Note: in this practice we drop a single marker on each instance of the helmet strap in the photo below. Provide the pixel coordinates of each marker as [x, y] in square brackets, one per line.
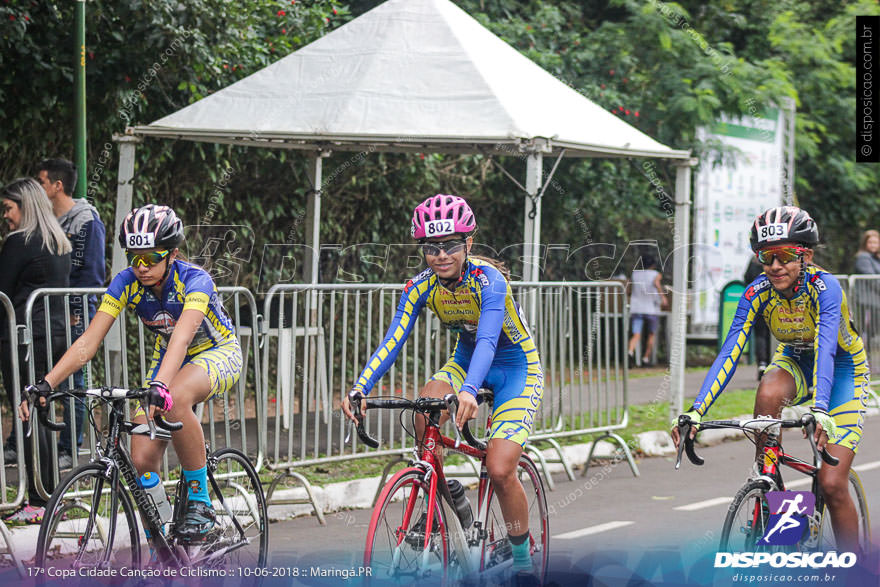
[168, 262]
[801, 275]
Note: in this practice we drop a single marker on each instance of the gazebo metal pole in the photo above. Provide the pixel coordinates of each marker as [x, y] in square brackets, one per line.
[124, 189]
[532, 230]
[313, 218]
[681, 259]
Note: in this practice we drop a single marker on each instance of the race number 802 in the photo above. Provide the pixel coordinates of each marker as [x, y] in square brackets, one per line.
[439, 227]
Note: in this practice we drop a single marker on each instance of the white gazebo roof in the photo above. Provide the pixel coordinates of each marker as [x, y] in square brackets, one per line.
[409, 75]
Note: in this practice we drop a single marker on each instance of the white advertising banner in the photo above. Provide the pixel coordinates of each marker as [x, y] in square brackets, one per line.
[727, 198]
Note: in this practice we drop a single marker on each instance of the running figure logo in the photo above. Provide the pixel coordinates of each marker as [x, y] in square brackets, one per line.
[789, 511]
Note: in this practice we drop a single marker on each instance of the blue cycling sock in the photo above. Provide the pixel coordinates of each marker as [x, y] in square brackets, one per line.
[522, 560]
[197, 484]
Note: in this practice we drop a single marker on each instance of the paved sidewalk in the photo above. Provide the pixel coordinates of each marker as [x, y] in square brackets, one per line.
[359, 493]
[646, 390]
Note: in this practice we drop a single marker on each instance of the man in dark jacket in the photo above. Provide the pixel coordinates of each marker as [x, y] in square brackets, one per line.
[80, 220]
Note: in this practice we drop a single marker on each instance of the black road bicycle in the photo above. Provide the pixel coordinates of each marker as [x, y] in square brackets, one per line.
[90, 519]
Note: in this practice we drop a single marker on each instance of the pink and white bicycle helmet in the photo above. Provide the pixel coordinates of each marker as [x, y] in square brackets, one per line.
[442, 215]
[151, 226]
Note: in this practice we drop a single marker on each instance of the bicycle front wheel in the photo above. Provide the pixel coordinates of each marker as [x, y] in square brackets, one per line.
[496, 548]
[827, 540]
[397, 550]
[240, 537]
[747, 517]
[89, 522]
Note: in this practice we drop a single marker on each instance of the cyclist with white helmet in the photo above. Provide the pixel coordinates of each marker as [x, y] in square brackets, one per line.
[820, 358]
[494, 349]
[196, 354]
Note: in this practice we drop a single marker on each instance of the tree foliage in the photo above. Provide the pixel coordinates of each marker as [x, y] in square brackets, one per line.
[665, 68]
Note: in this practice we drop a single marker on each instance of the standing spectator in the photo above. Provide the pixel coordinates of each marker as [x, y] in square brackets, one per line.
[645, 302]
[760, 329]
[868, 257]
[80, 221]
[36, 254]
[866, 292]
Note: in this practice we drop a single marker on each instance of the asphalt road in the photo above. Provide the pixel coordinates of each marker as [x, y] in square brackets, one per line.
[662, 527]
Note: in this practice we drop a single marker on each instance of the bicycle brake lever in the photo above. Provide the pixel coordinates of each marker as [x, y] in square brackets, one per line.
[27, 423]
[152, 426]
[451, 400]
[680, 445]
[348, 430]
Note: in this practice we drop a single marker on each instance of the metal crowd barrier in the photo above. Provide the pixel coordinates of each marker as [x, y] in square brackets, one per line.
[10, 422]
[582, 331]
[863, 295]
[236, 419]
[12, 388]
[319, 337]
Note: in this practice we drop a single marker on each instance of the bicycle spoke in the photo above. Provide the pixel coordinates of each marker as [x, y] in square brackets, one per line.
[80, 518]
[239, 537]
[400, 549]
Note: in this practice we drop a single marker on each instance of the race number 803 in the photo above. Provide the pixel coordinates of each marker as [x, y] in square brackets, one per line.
[140, 240]
[773, 232]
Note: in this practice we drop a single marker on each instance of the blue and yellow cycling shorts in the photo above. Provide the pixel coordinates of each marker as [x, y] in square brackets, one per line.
[849, 392]
[517, 382]
[222, 364]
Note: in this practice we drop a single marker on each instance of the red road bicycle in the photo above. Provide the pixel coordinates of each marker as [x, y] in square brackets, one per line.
[749, 513]
[400, 550]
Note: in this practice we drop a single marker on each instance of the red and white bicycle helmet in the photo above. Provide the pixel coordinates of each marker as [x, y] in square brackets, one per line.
[151, 226]
[442, 215]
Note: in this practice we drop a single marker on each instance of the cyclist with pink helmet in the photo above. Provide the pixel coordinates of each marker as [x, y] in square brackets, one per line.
[494, 349]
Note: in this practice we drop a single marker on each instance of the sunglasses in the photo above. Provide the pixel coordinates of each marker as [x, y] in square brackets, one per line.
[450, 247]
[146, 259]
[784, 254]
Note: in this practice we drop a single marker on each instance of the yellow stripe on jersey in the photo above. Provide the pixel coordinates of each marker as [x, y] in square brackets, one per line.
[110, 305]
[197, 301]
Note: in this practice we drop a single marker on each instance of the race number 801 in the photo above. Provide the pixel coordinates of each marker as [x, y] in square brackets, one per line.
[140, 240]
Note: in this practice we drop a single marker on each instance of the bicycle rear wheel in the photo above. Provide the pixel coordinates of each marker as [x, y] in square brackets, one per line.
[747, 517]
[89, 522]
[240, 536]
[496, 548]
[827, 540]
[395, 549]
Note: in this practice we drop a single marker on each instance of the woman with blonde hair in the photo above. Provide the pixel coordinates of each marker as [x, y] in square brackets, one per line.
[35, 254]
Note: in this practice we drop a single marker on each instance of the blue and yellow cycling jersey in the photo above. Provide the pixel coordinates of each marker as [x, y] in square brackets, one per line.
[187, 287]
[814, 325]
[481, 310]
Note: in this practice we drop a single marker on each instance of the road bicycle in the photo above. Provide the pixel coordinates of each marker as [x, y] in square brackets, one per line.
[749, 513]
[401, 550]
[90, 520]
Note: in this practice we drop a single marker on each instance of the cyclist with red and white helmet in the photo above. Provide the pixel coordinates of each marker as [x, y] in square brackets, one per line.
[820, 360]
[494, 349]
[196, 354]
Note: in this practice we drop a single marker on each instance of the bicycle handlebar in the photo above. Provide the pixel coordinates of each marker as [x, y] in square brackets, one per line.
[686, 443]
[422, 404]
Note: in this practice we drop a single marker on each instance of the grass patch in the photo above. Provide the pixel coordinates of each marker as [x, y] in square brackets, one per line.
[655, 416]
[643, 418]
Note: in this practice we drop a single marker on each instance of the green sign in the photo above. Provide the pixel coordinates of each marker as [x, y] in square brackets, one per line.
[730, 295]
